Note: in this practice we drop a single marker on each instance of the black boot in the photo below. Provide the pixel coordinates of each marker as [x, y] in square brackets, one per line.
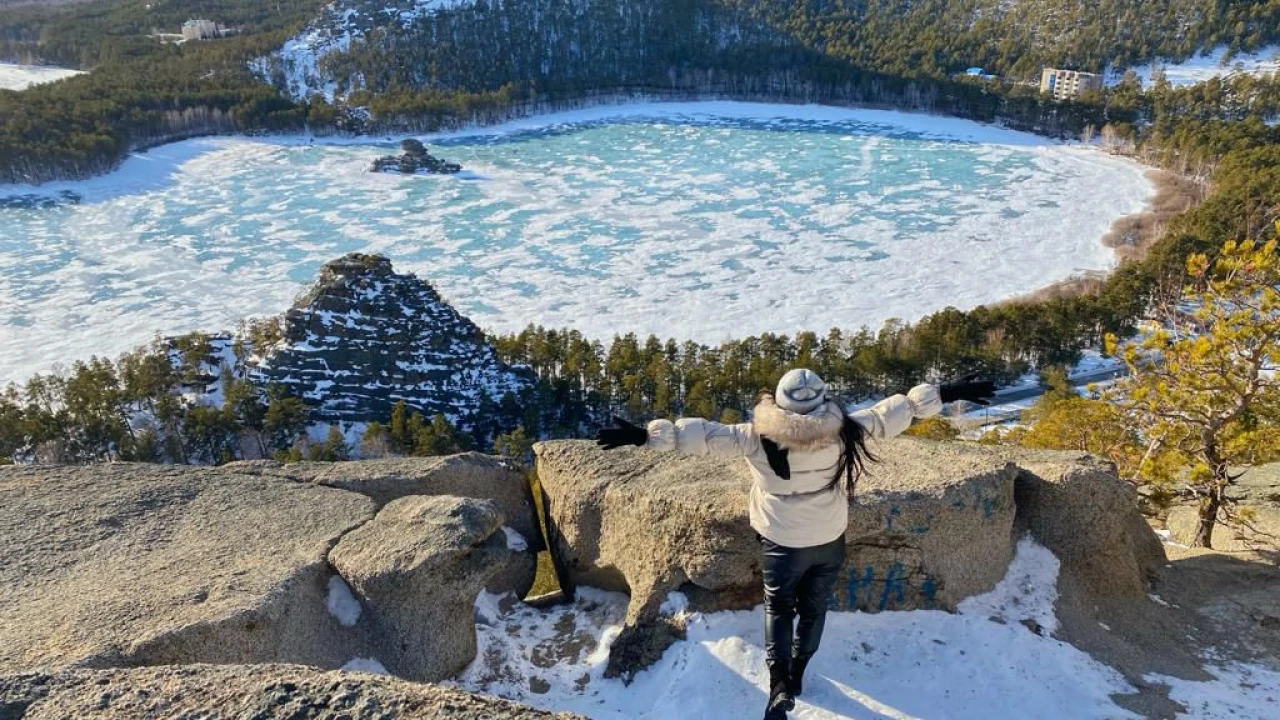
[794, 680]
[780, 700]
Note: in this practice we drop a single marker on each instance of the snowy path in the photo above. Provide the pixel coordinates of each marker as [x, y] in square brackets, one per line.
[982, 662]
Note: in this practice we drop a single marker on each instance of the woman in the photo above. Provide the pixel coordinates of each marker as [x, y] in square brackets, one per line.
[805, 456]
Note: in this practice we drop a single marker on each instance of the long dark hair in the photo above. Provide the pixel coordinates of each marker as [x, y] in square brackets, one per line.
[854, 455]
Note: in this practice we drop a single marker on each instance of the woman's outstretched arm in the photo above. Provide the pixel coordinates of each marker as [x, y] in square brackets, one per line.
[893, 415]
[697, 436]
[691, 436]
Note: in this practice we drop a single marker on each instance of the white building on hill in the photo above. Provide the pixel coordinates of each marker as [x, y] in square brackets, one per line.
[200, 30]
[1066, 84]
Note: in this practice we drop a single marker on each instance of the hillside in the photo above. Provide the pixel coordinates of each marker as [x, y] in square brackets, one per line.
[364, 338]
[356, 44]
[428, 64]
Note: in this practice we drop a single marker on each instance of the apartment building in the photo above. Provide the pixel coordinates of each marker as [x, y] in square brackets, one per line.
[1066, 84]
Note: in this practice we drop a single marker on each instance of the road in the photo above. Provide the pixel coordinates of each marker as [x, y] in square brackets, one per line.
[1080, 380]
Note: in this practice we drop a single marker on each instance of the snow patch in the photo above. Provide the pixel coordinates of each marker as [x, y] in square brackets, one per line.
[677, 603]
[1027, 592]
[365, 665]
[298, 62]
[921, 664]
[515, 541]
[1239, 692]
[342, 604]
[21, 77]
[1206, 66]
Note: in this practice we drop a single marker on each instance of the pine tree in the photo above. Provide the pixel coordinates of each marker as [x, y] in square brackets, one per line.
[515, 445]
[376, 441]
[934, 428]
[400, 435]
[335, 447]
[1205, 392]
[285, 419]
[438, 438]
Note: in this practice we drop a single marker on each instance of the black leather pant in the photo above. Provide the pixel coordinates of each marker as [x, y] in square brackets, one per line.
[797, 581]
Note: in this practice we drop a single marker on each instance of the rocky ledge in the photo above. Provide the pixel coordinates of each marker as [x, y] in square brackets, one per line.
[127, 565]
[235, 692]
[414, 159]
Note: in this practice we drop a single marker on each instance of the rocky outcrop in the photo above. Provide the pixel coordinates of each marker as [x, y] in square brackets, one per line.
[242, 692]
[124, 565]
[414, 159]
[419, 567]
[365, 337]
[117, 565]
[466, 475]
[1075, 506]
[933, 524]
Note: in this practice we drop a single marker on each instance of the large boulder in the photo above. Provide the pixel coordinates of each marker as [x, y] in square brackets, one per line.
[466, 475]
[126, 565]
[1077, 507]
[418, 566]
[932, 525]
[242, 692]
[117, 565]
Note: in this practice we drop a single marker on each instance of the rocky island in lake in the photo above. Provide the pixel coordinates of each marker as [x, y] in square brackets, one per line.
[415, 159]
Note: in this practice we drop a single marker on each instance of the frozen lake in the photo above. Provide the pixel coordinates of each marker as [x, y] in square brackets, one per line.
[706, 221]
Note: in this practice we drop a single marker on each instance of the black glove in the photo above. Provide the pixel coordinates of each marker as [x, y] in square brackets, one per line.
[968, 388]
[624, 434]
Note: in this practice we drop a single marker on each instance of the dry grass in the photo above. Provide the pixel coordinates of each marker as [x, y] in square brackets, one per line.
[1130, 236]
[545, 582]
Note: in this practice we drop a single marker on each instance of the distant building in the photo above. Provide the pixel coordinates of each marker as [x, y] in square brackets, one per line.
[1066, 84]
[977, 73]
[200, 30]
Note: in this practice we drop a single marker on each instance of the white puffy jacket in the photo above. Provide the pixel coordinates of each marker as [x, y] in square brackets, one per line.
[795, 512]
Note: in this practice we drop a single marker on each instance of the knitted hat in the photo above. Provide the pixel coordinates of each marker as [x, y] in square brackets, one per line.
[801, 391]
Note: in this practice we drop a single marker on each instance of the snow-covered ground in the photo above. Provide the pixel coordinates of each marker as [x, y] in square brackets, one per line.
[774, 218]
[982, 662]
[21, 77]
[1206, 66]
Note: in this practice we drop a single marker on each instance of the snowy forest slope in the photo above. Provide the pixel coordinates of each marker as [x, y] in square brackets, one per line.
[431, 63]
[575, 44]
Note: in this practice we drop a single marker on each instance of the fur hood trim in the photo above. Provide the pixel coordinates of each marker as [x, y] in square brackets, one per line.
[793, 431]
